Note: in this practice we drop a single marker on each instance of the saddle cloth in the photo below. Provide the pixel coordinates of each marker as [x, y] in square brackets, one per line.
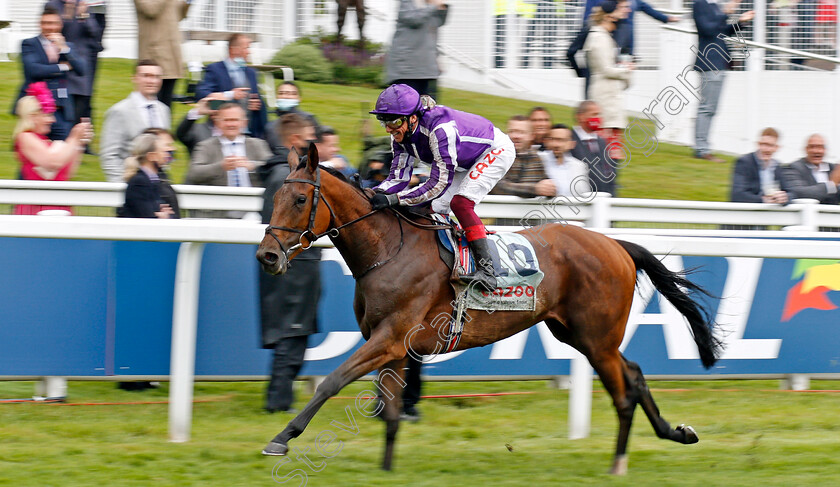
[517, 269]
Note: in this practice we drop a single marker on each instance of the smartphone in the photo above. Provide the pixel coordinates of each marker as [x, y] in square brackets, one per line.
[215, 104]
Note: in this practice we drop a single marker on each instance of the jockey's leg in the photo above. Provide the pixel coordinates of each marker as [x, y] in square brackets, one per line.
[481, 178]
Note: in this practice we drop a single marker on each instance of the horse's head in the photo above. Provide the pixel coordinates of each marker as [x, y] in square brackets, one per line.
[300, 215]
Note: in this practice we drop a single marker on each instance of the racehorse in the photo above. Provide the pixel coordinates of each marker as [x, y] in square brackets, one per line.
[359, 5]
[401, 283]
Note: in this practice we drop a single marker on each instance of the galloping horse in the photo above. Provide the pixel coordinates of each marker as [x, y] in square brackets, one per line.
[401, 282]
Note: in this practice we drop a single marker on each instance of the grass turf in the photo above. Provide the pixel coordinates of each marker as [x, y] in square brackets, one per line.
[669, 173]
[750, 434]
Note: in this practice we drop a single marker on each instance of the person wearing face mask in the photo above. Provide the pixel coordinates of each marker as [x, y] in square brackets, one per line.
[233, 80]
[591, 149]
[288, 101]
[609, 77]
[467, 155]
[148, 193]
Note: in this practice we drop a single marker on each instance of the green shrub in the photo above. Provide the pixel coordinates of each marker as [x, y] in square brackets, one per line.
[306, 60]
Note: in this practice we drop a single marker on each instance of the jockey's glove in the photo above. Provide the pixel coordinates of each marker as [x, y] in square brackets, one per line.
[381, 200]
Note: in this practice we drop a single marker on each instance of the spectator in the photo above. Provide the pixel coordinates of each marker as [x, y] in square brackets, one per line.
[811, 177]
[42, 159]
[713, 59]
[229, 159]
[540, 125]
[230, 79]
[288, 100]
[49, 58]
[571, 58]
[129, 117]
[609, 79]
[412, 58]
[561, 166]
[328, 151]
[191, 133]
[756, 177]
[159, 38]
[144, 173]
[591, 149]
[288, 302]
[526, 177]
[623, 33]
[83, 30]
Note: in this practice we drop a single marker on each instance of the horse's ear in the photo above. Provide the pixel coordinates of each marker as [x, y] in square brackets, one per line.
[293, 159]
[312, 157]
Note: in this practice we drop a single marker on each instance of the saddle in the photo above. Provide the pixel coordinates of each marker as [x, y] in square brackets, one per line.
[517, 271]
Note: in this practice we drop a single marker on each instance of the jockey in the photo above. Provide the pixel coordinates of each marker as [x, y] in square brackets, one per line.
[467, 155]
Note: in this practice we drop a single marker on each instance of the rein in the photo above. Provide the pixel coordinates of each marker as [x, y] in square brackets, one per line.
[311, 236]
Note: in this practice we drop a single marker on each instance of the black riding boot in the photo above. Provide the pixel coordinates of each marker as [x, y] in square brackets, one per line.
[485, 274]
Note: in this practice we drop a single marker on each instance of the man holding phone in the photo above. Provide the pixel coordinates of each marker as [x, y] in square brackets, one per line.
[49, 58]
[232, 80]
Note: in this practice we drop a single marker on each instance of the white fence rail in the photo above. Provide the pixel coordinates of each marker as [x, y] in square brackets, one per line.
[195, 233]
[601, 211]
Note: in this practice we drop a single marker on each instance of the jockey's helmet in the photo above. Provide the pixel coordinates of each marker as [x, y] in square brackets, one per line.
[397, 100]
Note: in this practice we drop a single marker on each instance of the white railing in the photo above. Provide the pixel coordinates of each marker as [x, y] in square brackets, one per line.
[195, 233]
[601, 211]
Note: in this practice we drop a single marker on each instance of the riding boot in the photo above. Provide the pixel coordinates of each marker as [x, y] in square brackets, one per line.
[485, 274]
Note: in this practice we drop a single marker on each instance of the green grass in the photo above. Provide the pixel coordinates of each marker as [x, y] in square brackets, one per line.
[669, 173]
[750, 434]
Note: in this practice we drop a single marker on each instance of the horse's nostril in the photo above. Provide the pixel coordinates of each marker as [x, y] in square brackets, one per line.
[269, 258]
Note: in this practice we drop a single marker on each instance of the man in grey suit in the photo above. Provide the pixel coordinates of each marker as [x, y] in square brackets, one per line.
[129, 117]
[811, 177]
[229, 159]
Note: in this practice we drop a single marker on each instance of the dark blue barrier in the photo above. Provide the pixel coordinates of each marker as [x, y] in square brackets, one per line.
[93, 308]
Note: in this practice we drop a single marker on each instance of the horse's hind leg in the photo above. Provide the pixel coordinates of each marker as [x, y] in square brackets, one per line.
[609, 364]
[342, 12]
[391, 385]
[635, 380]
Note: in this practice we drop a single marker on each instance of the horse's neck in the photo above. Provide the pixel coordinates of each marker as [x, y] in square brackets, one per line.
[368, 241]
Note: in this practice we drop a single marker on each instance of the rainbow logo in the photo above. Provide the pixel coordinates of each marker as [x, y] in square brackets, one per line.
[819, 276]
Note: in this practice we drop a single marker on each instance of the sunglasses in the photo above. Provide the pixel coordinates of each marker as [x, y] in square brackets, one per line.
[391, 123]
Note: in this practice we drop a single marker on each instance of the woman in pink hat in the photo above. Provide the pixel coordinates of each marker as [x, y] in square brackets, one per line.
[42, 159]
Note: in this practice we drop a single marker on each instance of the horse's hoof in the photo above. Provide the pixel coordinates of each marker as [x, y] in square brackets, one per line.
[619, 465]
[690, 436]
[275, 449]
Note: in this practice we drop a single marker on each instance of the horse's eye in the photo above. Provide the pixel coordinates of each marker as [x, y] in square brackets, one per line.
[301, 199]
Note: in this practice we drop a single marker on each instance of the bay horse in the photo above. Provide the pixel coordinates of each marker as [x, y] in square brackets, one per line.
[401, 282]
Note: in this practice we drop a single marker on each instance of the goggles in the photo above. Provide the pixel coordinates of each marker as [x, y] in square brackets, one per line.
[388, 121]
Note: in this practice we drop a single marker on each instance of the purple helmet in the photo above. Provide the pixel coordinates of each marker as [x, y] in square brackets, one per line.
[400, 100]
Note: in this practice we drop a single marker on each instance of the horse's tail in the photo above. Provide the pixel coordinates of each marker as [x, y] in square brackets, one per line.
[678, 289]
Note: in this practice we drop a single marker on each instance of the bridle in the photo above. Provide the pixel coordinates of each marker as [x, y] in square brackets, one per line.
[311, 236]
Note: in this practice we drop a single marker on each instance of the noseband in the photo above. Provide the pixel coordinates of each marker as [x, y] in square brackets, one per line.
[309, 233]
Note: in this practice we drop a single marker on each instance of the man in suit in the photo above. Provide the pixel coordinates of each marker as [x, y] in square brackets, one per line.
[526, 178]
[48, 57]
[84, 31]
[129, 117]
[288, 302]
[811, 177]
[232, 80]
[159, 38]
[288, 101]
[591, 149]
[756, 175]
[191, 132]
[229, 159]
[713, 60]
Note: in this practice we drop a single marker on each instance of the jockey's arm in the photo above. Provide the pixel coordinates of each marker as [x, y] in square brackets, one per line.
[443, 141]
[400, 173]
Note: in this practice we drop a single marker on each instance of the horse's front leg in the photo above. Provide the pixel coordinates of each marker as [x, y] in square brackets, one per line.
[379, 350]
[392, 382]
